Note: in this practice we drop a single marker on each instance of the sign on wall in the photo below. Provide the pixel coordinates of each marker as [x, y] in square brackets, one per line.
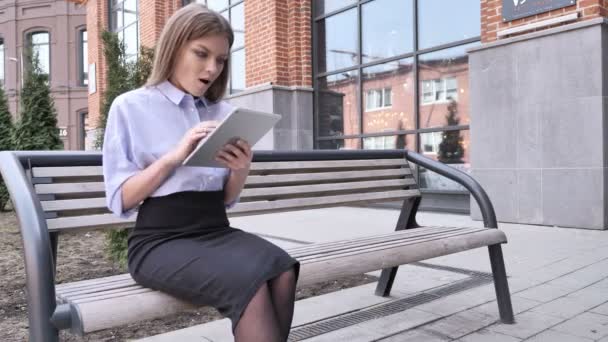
[515, 9]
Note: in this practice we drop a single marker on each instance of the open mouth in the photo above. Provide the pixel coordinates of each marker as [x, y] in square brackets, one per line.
[204, 80]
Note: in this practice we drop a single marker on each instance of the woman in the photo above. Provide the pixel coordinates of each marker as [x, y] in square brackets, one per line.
[182, 243]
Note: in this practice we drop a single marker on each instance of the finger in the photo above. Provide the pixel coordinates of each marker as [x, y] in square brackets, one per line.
[225, 155]
[234, 150]
[244, 145]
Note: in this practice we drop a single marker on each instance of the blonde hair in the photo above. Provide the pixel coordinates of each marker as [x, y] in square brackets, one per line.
[191, 22]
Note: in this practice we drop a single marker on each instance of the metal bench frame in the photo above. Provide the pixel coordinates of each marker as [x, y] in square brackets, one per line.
[46, 318]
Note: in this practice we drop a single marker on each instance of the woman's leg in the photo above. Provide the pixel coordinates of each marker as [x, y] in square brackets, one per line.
[258, 323]
[283, 292]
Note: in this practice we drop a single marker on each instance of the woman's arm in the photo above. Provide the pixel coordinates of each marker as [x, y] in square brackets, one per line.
[141, 185]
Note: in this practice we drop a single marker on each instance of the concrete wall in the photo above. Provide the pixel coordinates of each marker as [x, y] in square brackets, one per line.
[538, 126]
[295, 129]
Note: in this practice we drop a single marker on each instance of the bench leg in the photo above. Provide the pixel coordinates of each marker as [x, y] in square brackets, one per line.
[386, 281]
[41, 329]
[503, 296]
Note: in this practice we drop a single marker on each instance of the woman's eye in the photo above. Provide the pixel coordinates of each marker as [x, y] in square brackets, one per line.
[221, 61]
[201, 54]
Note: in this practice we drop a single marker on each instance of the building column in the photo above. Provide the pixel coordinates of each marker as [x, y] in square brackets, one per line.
[538, 117]
[279, 69]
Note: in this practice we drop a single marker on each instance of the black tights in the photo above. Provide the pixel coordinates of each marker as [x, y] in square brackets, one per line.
[267, 317]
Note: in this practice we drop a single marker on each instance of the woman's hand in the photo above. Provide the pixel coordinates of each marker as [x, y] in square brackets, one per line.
[236, 156]
[189, 141]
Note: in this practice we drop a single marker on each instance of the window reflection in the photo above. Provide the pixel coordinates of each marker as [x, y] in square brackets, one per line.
[340, 144]
[337, 47]
[449, 147]
[1, 62]
[444, 87]
[338, 113]
[386, 29]
[388, 97]
[39, 41]
[124, 21]
[328, 6]
[441, 22]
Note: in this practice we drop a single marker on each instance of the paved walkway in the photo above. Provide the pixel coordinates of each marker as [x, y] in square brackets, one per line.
[558, 279]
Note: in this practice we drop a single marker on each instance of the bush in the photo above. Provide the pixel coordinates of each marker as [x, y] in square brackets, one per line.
[6, 143]
[122, 76]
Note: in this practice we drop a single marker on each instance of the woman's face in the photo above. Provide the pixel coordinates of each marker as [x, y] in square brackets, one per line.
[199, 63]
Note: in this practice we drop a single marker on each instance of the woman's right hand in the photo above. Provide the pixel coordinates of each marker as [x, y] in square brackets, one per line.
[189, 141]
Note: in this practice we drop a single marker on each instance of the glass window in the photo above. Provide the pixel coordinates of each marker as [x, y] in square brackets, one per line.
[340, 144]
[124, 21]
[402, 141]
[1, 62]
[337, 46]
[237, 20]
[365, 91]
[216, 5]
[444, 87]
[388, 97]
[442, 22]
[328, 6]
[386, 29]
[450, 147]
[39, 42]
[84, 58]
[338, 96]
[237, 72]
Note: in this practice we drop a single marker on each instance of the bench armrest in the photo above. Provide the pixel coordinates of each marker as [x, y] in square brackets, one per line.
[485, 205]
[40, 279]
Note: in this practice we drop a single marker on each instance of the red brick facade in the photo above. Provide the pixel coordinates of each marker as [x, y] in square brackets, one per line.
[278, 42]
[491, 16]
[97, 21]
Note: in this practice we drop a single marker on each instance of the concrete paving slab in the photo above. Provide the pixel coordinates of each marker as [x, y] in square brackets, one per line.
[588, 325]
[556, 336]
[415, 336]
[527, 324]
[460, 324]
[485, 335]
[601, 309]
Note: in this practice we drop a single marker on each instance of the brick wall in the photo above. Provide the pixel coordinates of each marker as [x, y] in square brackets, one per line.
[278, 42]
[491, 16]
[97, 21]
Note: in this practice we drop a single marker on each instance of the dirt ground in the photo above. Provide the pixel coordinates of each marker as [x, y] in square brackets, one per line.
[81, 256]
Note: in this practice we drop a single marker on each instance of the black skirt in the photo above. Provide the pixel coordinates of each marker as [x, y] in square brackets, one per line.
[183, 245]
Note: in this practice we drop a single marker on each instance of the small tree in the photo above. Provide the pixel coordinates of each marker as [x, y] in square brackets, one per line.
[37, 127]
[122, 77]
[6, 144]
[450, 148]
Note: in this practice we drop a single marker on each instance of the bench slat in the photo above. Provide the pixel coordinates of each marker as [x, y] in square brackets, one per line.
[320, 202]
[70, 188]
[246, 194]
[89, 222]
[88, 171]
[325, 176]
[99, 312]
[97, 221]
[98, 187]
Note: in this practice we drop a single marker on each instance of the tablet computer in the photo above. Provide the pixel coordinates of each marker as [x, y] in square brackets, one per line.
[240, 123]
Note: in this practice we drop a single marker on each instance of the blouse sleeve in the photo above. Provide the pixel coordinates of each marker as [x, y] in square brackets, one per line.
[118, 164]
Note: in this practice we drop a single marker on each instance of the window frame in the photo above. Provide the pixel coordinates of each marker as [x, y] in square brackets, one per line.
[28, 44]
[83, 74]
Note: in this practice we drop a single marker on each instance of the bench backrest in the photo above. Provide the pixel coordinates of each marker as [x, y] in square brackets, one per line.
[73, 197]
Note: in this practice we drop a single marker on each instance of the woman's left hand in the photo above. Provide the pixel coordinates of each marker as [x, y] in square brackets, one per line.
[236, 156]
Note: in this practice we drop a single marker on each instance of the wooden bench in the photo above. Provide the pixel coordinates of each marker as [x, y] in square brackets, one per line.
[61, 192]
